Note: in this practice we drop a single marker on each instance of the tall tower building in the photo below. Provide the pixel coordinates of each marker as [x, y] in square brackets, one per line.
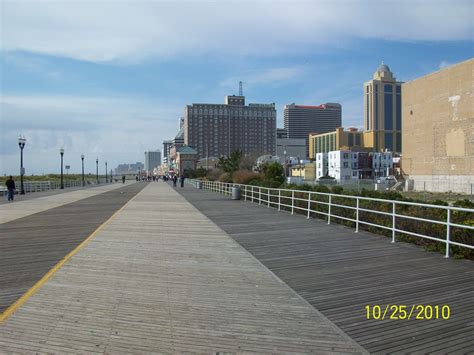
[215, 130]
[383, 109]
[166, 149]
[152, 160]
[302, 120]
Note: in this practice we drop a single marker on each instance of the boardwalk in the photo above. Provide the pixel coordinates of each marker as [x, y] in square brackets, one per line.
[161, 277]
[32, 245]
[340, 272]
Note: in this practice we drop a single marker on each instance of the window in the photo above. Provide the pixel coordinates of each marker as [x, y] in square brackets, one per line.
[388, 88]
[388, 142]
[388, 112]
[376, 109]
[351, 139]
[346, 164]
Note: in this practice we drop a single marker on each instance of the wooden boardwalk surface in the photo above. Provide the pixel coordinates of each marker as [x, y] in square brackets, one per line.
[32, 245]
[340, 272]
[161, 277]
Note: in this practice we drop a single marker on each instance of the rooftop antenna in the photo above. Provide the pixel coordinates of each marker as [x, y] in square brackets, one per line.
[241, 92]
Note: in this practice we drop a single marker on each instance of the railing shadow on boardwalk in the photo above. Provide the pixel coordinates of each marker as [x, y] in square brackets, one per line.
[340, 273]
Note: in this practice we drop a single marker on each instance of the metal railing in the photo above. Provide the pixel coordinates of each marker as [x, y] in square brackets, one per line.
[38, 186]
[308, 201]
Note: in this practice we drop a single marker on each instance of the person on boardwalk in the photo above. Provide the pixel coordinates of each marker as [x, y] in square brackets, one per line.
[10, 184]
[181, 180]
[123, 179]
[175, 179]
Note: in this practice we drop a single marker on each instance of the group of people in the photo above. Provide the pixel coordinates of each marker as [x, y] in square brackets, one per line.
[173, 178]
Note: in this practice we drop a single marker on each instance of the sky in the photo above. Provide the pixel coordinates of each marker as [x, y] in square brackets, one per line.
[110, 79]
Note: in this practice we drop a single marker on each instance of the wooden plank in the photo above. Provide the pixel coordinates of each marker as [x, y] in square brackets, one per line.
[32, 245]
[161, 277]
[339, 272]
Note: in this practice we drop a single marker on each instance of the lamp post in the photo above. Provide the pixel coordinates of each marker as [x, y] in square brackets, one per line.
[61, 151]
[106, 178]
[83, 182]
[21, 144]
[97, 170]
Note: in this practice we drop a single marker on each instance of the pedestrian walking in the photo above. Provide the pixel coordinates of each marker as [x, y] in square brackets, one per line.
[10, 184]
[175, 179]
[181, 180]
[123, 179]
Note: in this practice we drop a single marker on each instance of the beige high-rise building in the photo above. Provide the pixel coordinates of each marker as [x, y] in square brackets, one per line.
[438, 130]
[383, 110]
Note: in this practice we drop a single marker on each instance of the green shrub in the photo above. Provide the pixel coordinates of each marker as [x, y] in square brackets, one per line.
[321, 188]
[337, 189]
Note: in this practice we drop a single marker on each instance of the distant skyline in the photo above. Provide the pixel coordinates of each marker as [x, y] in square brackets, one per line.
[110, 80]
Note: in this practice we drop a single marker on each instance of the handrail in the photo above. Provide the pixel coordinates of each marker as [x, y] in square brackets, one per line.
[272, 197]
[38, 186]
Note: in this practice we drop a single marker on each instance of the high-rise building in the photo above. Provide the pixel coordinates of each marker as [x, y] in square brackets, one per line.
[152, 160]
[128, 168]
[301, 120]
[215, 130]
[438, 134]
[383, 109]
[166, 149]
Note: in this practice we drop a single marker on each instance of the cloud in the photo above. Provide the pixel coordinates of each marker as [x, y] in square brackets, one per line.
[444, 64]
[102, 31]
[113, 128]
[265, 76]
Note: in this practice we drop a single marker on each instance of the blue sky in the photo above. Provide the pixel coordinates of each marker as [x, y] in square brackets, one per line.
[111, 79]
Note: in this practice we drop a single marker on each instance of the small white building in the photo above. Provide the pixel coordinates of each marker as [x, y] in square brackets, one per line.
[321, 165]
[346, 166]
[342, 165]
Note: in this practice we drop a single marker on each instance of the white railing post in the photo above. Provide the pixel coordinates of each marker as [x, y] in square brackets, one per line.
[357, 215]
[448, 232]
[309, 204]
[393, 222]
[259, 195]
[329, 210]
[292, 201]
[252, 194]
[279, 199]
[268, 196]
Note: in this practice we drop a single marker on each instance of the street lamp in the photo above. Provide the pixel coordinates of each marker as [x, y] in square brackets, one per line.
[82, 158]
[21, 144]
[97, 169]
[61, 151]
[106, 179]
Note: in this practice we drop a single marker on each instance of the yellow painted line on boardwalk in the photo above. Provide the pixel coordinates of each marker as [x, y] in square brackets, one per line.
[10, 310]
